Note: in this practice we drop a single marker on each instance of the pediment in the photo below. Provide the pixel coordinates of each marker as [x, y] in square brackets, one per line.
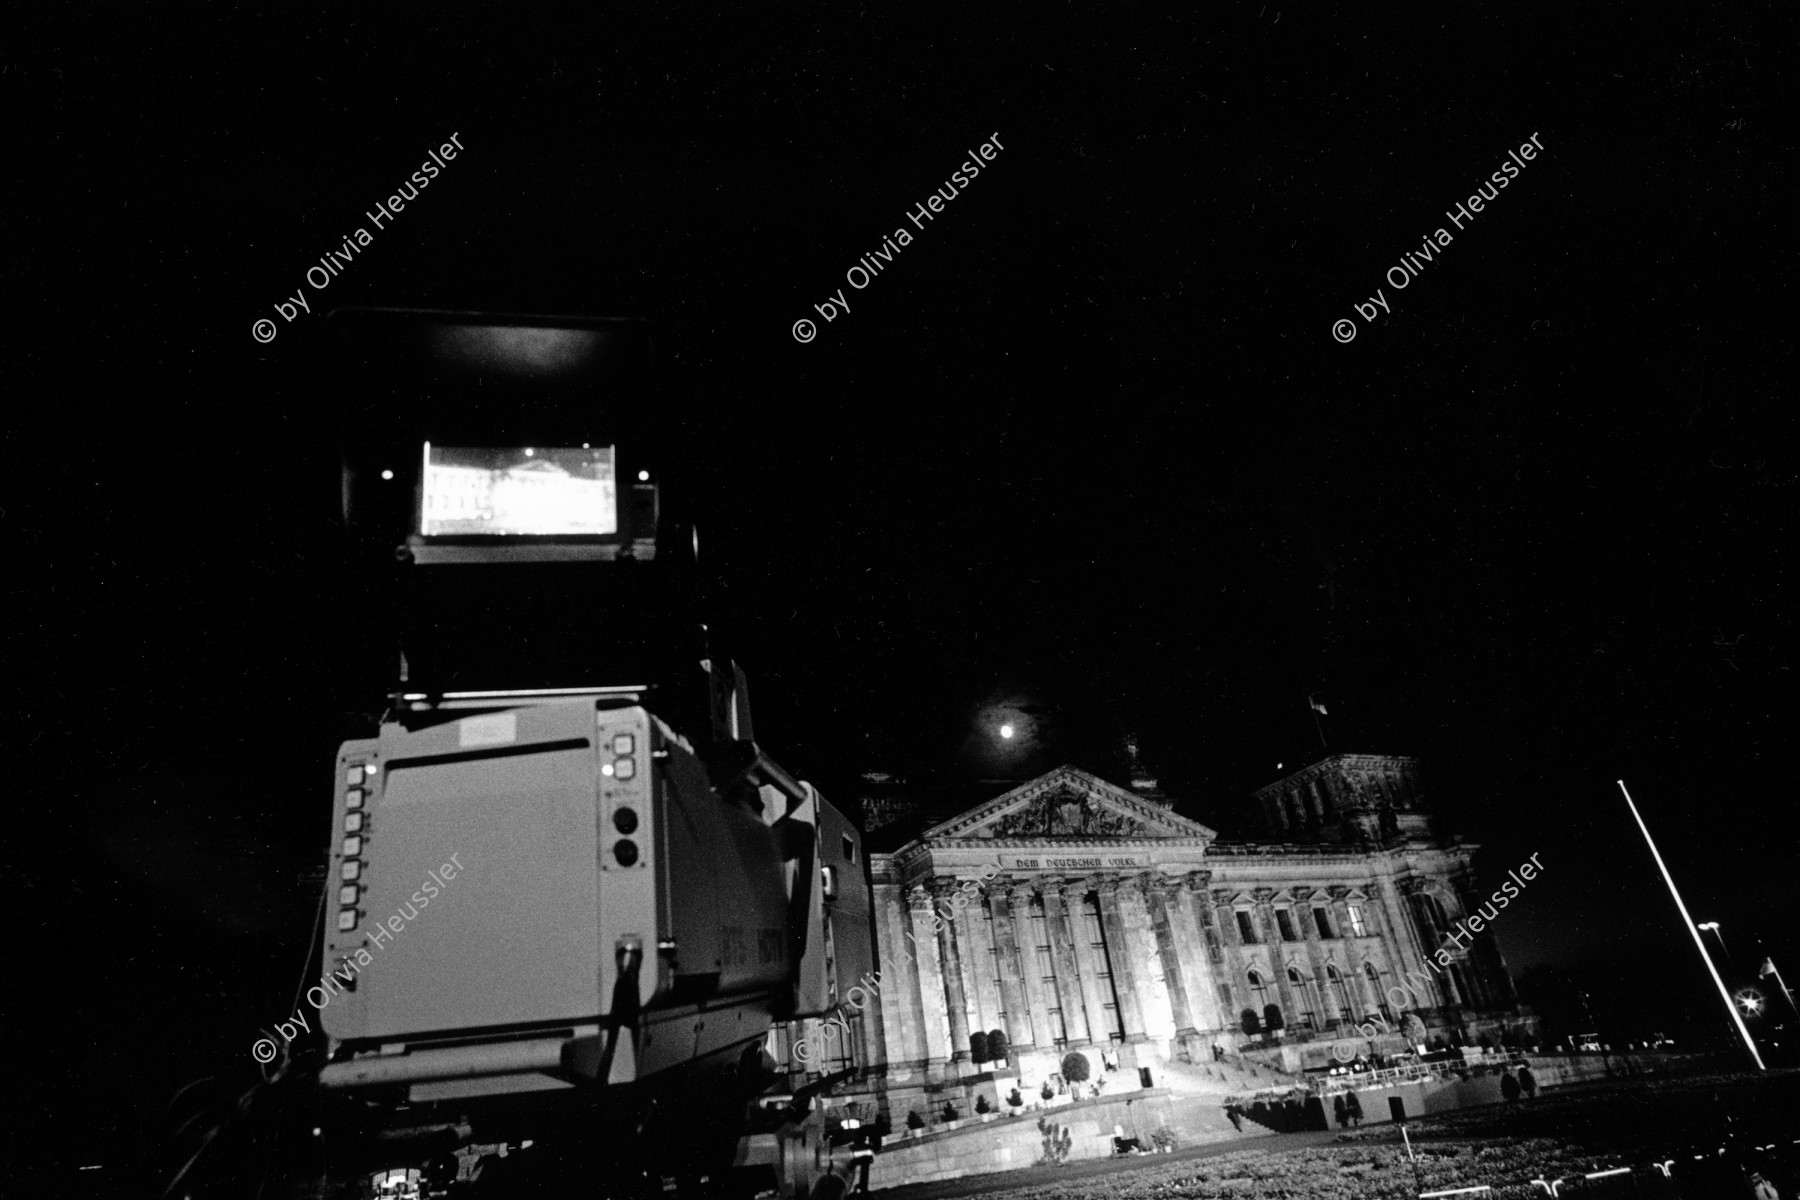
[1069, 803]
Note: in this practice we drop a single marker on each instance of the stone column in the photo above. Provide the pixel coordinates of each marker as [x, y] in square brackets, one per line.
[1157, 893]
[1030, 972]
[1492, 979]
[1088, 970]
[1125, 973]
[973, 947]
[956, 1001]
[1190, 944]
[1401, 940]
[931, 979]
[1006, 944]
[902, 1018]
[868, 1014]
[1062, 953]
[1418, 896]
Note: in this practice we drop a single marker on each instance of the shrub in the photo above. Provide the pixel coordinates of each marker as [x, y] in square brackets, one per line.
[982, 1106]
[950, 1113]
[1075, 1067]
[978, 1046]
[1251, 1025]
[914, 1120]
[997, 1047]
[1049, 1093]
[1013, 1098]
[1272, 1018]
[1057, 1142]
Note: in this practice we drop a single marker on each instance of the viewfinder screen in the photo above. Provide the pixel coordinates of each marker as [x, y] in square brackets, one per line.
[518, 491]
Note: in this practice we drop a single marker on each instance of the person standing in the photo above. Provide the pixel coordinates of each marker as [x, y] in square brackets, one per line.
[1353, 1106]
[1339, 1111]
[1528, 1082]
[862, 1152]
[1509, 1088]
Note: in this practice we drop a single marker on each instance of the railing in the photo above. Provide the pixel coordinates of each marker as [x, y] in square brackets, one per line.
[1413, 1073]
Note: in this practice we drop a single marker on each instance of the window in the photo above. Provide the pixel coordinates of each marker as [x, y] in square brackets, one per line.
[1259, 990]
[1284, 921]
[1340, 993]
[1376, 996]
[1303, 996]
[849, 848]
[1322, 919]
[1354, 912]
[1246, 930]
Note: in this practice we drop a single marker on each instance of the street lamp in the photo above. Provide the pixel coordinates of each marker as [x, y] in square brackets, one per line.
[1693, 932]
[1714, 926]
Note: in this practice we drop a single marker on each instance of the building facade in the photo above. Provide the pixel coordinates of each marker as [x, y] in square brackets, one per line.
[1073, 914]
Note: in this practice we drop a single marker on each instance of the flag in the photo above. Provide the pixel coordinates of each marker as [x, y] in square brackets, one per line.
[1768, 968]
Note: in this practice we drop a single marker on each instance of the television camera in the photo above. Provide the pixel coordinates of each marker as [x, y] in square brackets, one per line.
[629, 891]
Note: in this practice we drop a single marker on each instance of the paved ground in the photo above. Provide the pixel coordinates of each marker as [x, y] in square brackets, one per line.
[1086, 1168]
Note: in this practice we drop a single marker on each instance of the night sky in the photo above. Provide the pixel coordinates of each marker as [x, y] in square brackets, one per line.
[1086, 446]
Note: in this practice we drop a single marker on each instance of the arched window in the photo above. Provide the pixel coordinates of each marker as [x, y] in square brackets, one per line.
[1340, 994]
[1302, 988]
[1259, 991]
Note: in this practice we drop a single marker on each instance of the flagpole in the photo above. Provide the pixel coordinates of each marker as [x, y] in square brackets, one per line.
[1781, 983]
[1688, 923]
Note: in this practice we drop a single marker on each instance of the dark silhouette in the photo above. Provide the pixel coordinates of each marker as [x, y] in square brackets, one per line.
[1509, 1087]
[829, 1186]
[1354, 1107]
[863, 1142]
[1528, 1083]
[1339, 1111]
[978, 1046]
[1237, 1120]
[997, 1047]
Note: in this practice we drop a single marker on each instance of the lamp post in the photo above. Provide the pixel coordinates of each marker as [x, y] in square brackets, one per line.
[1714, 926]
[1693, 932]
